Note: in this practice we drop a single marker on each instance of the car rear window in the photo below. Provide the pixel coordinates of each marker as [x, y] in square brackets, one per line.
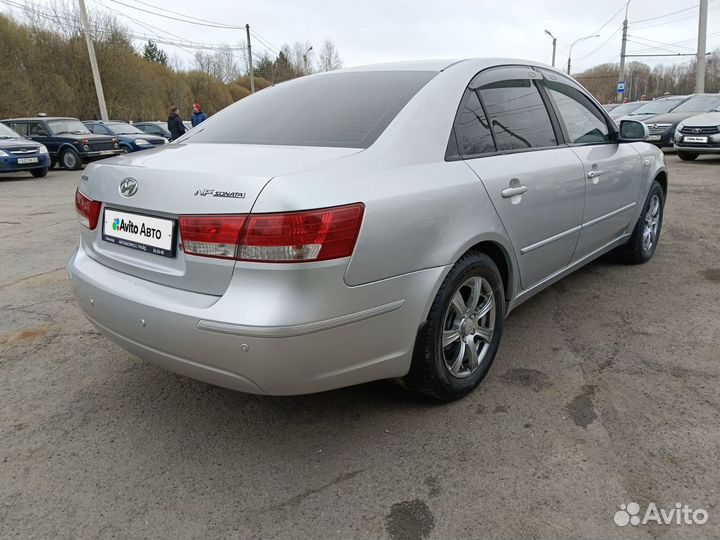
[346, 109]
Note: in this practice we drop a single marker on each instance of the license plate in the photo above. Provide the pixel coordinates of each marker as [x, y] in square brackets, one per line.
[26, 160]
[106, 152]
[695, 139]
[137, 231]
[654, 137]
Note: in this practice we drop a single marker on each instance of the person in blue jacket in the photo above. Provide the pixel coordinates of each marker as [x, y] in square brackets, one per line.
[197, 115]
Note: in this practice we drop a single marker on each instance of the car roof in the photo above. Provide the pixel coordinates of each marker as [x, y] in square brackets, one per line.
[40, 118]
[445, 63]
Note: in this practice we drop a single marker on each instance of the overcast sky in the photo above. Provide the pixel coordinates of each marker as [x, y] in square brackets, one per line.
[371, 31]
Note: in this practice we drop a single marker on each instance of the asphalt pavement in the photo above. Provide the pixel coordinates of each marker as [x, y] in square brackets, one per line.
[605, 392]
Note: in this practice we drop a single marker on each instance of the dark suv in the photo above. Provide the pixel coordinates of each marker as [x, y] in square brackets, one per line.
[69, 142]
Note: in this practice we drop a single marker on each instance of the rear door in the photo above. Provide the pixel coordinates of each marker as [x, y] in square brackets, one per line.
[506, 135]
[613, 171]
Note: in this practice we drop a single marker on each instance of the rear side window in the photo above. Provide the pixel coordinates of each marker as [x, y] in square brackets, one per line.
[518, 115]
[584, 123]
[472, 129]
[18, 127]
[346, 109]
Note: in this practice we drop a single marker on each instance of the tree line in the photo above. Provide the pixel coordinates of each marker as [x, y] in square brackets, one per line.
[44, 68]
[643, 81]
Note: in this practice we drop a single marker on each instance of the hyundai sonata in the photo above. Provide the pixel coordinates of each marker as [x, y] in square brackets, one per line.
[371, 223]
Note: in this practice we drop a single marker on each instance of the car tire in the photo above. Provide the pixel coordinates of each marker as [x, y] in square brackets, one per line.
[643, 242]
[458, 343]
[39, 173]
[124, 150]
[687, 156]
[70, 160]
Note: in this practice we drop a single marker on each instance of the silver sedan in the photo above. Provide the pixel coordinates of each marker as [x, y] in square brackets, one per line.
[370, 223]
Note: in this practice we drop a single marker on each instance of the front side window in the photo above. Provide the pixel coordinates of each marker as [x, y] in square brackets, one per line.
[517, 114]
[36, 129]
[584, 123]
[472, 129]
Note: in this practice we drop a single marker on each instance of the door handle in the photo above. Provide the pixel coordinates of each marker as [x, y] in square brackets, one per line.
[512, 191]
[594, 173]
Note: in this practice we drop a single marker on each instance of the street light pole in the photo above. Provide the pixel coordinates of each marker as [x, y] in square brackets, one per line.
[554, 45]
[305, 59]
[578, 40]
[702, 38]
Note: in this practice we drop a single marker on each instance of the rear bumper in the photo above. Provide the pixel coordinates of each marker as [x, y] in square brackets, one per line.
[300, 339]
[88, 157]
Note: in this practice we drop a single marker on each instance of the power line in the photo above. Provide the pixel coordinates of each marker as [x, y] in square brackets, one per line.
[214, 23]
[210, 25]
[601, 45]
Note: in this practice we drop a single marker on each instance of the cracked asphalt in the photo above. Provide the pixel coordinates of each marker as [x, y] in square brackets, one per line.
[605, 391]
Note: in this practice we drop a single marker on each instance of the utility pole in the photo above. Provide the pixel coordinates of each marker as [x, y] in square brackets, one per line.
[554, 46]
[250, 67]
[93, 61]
[702, 37]
[621, 73]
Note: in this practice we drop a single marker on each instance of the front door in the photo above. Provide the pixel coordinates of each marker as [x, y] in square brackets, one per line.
[505, 135]
[613, 171]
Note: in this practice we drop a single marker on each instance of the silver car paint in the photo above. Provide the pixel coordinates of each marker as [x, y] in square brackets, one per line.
[287, 329]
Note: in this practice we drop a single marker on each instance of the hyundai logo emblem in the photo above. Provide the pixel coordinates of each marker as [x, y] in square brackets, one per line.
[128, 187]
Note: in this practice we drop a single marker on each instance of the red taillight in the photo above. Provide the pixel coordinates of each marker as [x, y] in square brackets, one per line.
[211, 236]
[315, 235]
[88, 211]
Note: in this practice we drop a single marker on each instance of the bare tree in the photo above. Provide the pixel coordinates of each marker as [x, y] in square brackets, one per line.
[329, 58]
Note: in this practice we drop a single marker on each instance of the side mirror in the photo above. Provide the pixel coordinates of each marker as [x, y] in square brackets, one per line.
[632, 131]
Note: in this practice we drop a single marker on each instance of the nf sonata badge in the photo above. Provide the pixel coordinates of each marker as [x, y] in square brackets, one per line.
[128, 187]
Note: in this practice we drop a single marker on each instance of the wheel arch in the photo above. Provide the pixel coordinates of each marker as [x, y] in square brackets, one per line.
[662, 179]
[502, 260]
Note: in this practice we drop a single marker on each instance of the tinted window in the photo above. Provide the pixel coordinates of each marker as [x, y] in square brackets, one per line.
[37, 129]
[349, 109]
[628, 108]
[472, 129]
[699, 104]
[584, 123]
[517, 115]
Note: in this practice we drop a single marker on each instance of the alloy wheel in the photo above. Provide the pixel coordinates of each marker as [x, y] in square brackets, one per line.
[468, 327]
[651, 223]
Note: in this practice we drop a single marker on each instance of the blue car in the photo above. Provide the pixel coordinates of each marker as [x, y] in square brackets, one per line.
[131, 138]
[20, 154]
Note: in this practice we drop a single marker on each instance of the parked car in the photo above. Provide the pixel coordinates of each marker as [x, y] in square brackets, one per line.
[662, 127]
[188, 125]
[68, 141]
[698, 135]
[130, 137]
[626, 108]
[154, 128]
[610, 106]
[654, 108]
[20, 154]
[384, 229]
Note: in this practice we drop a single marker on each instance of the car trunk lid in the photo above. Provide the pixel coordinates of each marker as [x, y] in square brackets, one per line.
[186, 179]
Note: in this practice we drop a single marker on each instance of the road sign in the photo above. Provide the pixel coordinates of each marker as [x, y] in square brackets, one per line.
[621, 87]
